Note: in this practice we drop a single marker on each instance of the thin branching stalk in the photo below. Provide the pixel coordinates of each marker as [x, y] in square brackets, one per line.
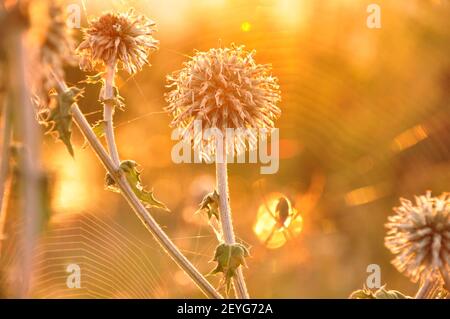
[5, 179]
[27, 129]
[147, 219]
[4, 209]
[425, 289]
[108, 112]
[446, 277]
[226, 220]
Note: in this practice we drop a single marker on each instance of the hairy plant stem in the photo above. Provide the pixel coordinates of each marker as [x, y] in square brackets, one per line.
[27, 129]
[425, 289]
[5, 179]
[108, 112]
[226, 220]
[4, 209]
[143, 214]
[446, 277]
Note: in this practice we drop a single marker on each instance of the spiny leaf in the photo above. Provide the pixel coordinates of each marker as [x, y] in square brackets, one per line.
[229, 258]
[133, 176]
[59, 119]
[116, 101]
[99, 130]
[94, 79]
[110, 183]
[210, 205]
[381, 293]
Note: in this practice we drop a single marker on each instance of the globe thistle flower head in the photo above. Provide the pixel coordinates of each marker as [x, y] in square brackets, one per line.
[223, 88]
[124, 37]
[419, 236]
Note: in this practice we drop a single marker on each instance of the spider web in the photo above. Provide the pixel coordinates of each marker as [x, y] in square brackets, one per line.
[113, 262]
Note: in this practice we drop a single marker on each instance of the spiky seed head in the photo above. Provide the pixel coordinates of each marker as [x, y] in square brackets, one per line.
[124, 38]
[223, 88]
[419, 235]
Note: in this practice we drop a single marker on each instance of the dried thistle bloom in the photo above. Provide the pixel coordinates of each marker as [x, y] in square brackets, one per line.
[124, 38]
[223, 88]
[419, 236]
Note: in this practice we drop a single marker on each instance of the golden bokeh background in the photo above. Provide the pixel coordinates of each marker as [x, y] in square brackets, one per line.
[365, 121]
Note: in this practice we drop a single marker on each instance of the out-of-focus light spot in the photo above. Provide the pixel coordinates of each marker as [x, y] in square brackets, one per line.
[8, 4]
[365, 195]
[274, 227]
[246, 26]
[201, 185]
[409, 138]
[70, 190]
[191, 217]
[307, 201]
[292, 13]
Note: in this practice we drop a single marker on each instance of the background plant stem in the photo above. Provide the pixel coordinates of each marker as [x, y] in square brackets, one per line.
[226, 220]
[424, 289]
[5, 179]
[446, 277]
[28, 131]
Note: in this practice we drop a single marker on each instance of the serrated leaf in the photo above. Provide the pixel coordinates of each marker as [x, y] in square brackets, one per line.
[94, 79]
[60, 116]
[133, 177]
[99, 130]
[362, 294]
[229, 258]
[381, 293]
[117, 100]
[110, 183]
[210, 205]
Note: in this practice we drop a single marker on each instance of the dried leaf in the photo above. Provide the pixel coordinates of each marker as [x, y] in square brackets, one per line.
[99, 128]
[210, 205]
[229, 258]
[94, 79]
[60, 116]
[381, 293]
[133, 176]
[116, 101]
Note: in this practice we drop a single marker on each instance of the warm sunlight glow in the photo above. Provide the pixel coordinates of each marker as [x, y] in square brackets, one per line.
[70, 188]
[246, 26]
[364, 195]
